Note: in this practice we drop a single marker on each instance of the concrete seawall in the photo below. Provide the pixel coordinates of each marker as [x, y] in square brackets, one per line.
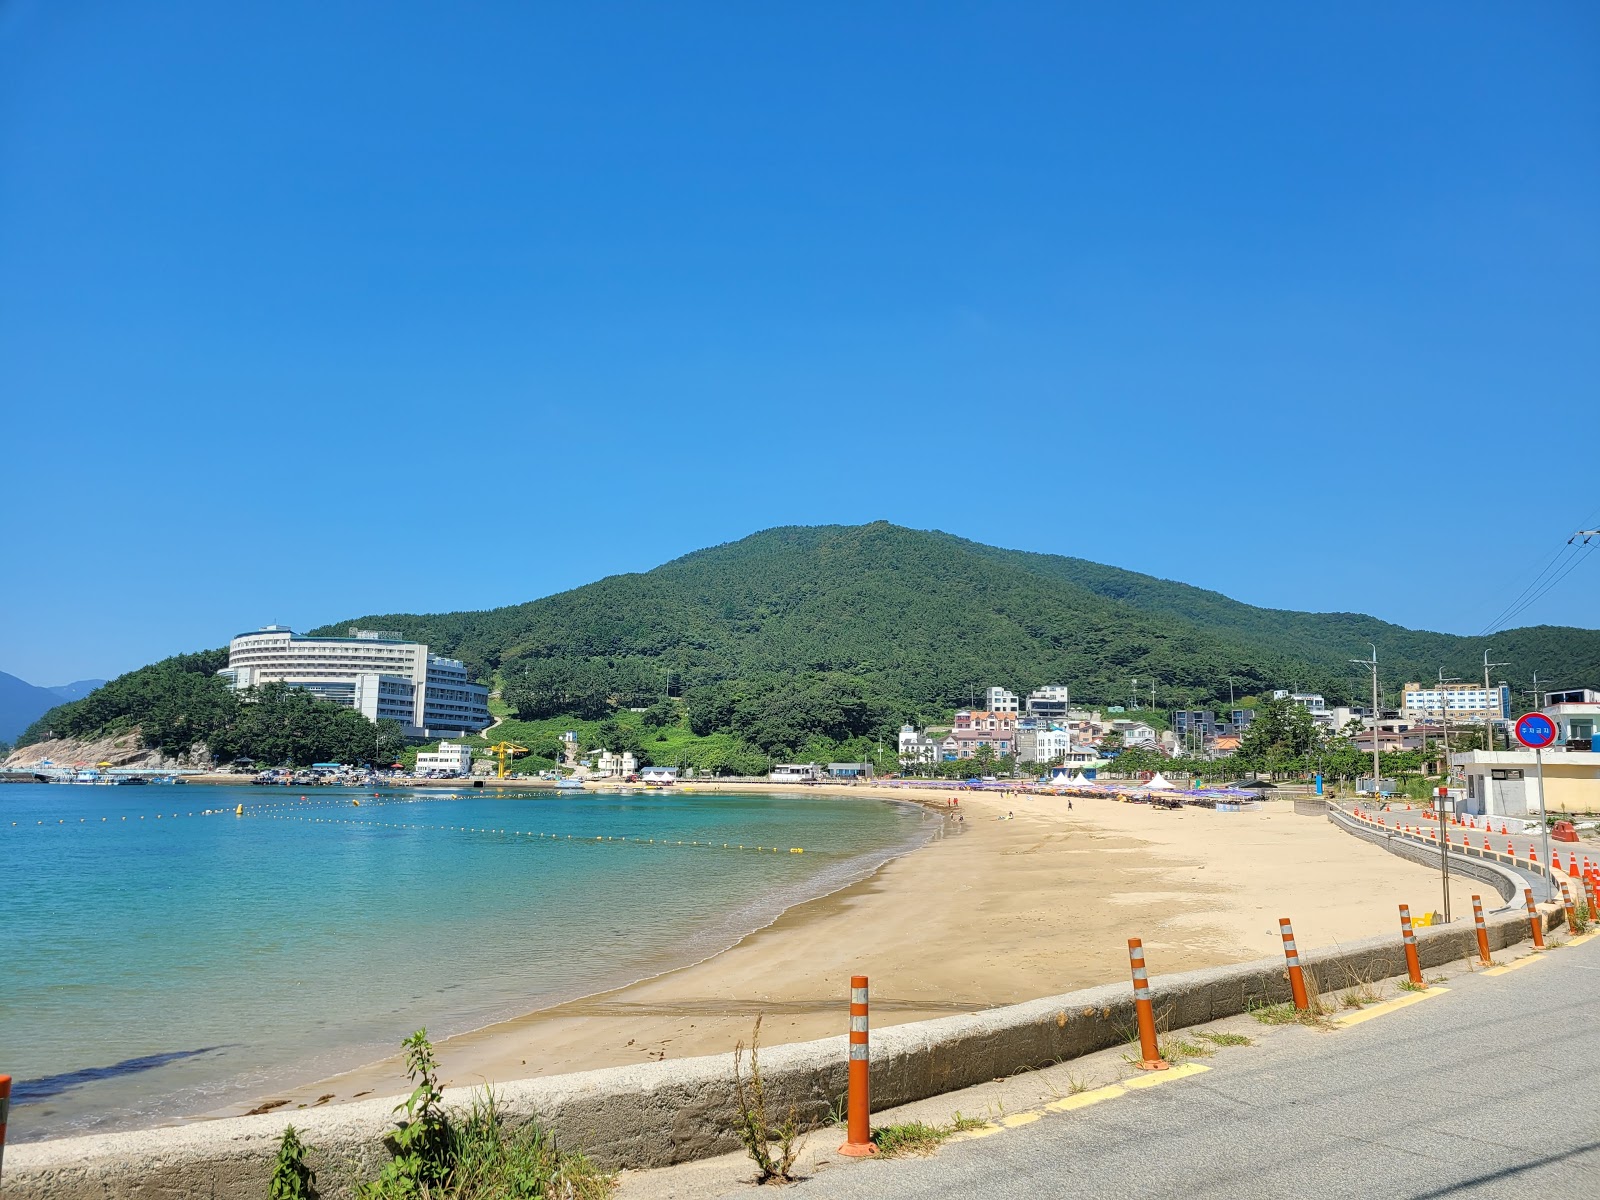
[1508, 883]
[657, 1114]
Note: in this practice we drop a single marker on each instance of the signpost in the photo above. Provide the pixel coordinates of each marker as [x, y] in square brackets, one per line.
[1536, 731]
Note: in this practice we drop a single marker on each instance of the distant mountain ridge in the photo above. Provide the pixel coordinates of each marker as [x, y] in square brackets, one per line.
[21, 702]
[930, 618]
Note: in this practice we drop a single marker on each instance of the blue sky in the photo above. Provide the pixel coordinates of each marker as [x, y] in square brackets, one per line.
[301, 305]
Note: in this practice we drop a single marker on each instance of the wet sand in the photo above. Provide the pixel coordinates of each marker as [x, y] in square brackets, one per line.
[993, 911]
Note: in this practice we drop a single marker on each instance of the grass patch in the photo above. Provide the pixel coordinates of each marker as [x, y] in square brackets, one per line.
[492, 1162]
[1287, 1014]
[1226, 1039]
[1361, 994]
[918, 1137]
[448, 1156]
[1405, 985]
[1175, 1048]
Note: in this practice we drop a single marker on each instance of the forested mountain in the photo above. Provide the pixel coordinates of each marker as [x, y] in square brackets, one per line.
[919, 620]
[821, 640]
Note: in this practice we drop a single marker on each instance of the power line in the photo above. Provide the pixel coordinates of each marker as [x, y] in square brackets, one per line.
[1548, 577]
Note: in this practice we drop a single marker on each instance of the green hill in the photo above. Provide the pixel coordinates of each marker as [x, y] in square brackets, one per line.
[818, 642]
[920, 620]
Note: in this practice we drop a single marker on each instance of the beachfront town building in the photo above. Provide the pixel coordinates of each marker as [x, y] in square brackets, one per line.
[614, 765]
[795, 773]
[916, 747]
[1189, 723]
[997, 699]
[855, 770]
[991, 721]
[376, 672]
[1312, 702]
[1052, 703]
[451, 759]
[1576, 713]
[1460, 702]
[1506, 782]
[965, 743]
[1135, 733]
[1051, 744]
[661, 775]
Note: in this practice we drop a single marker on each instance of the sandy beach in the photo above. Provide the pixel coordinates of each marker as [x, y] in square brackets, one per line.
[993, 911]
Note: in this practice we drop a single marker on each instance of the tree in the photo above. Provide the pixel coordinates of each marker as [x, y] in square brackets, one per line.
[1281, 736]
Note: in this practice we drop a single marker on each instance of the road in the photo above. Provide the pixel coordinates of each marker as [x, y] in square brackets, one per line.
[1487, 1090]
[1475, 831]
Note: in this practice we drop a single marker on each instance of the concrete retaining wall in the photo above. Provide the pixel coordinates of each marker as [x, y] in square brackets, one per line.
[657, 1114]
[1505, 881]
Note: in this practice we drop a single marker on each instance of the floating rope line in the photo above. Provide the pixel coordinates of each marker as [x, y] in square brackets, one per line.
[536, 835]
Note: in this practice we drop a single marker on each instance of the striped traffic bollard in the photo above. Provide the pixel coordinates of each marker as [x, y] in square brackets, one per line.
[1291, 953]
[5, 1112]
[1535, 923]
[1566, 904]
[858, 1141]
[1483, 930]
[1413, 966]
[1152, 1060]
[1590, 895]
[1511, 851]
[1533, 859]
[1486, 849]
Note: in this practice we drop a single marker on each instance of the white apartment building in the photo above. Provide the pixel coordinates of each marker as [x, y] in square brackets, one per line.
[916, 748]
[1052, 702]
[375, 672]
[452, 758]
[998, 699]
[1046, 745]
[1464, 702]
[1312, 702]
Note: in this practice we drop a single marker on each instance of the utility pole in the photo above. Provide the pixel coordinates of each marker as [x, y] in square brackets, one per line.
[1377, 713]
[1489, 718]
[1444, 717]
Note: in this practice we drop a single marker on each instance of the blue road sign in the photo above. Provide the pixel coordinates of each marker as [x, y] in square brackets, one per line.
[1535, 730]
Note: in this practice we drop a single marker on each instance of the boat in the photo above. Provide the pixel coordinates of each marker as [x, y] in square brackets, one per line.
[570, 785]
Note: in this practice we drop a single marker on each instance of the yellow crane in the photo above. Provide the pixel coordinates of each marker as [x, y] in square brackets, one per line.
[501, 750]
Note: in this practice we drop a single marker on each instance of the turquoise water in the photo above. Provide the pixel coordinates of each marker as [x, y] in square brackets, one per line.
[160, 962]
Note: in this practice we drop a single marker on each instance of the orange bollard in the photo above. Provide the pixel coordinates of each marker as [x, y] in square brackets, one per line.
[1589, 895]
[1486, 849]
[1572, 863]
[1533, 859]
[1511, 851]
[1413, 966]
[1535, 922]
[1152, 1060]
[1297, 982]
[1483, 931]
[1572, 915]
[858, 1140]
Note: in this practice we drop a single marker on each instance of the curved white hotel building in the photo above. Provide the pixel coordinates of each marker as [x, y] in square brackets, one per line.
[375, 672]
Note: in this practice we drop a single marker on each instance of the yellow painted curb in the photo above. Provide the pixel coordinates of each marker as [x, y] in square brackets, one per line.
[1389, 1006]
[983, 1131]
[1536, 956]
[1085, 1099]
[1582, 938]
[1155, 1078]
[1081, 1100]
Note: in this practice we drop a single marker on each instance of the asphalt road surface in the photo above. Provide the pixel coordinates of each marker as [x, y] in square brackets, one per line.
[1487, 1091]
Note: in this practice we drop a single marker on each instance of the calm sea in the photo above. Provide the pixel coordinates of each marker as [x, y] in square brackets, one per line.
[159, 961]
